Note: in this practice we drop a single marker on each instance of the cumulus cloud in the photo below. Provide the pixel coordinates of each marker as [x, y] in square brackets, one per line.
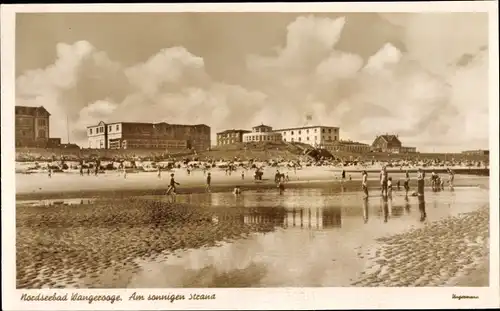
[421, 97]
[432, 94]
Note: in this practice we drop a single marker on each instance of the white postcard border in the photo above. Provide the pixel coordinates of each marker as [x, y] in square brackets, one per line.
[251, 298]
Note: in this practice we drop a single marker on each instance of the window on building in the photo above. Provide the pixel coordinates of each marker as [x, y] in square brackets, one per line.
[307, 131]
[300, 132]
[90, 131]
[323, 130]
[307, 137]
[292, 140]
[300, 139]
[41, 134]
[284, 139]
[329, 130]
[292, 132]
[315, 130]
[118, 127]
[335, 137]
[109, 128]
[41, 122]
[315, 137]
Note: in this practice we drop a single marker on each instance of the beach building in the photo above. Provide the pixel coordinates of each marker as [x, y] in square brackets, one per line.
[347, 146]
[135, 135]
[477, 152]
[230, 137]
[317, 136]
[32, 126]
[390, 143]
[261, 133]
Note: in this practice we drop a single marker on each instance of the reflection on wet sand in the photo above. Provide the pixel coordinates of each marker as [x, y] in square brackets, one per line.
[308, 237]
[365, 209]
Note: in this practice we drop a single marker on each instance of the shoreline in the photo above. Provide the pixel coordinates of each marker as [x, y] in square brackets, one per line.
[192, 188]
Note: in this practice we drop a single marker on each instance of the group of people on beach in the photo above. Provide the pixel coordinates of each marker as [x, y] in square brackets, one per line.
[386, 182]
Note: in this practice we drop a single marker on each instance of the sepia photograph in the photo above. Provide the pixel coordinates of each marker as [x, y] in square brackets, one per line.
[229, 150]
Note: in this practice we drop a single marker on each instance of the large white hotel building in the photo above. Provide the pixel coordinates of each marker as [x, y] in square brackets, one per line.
[317, 136]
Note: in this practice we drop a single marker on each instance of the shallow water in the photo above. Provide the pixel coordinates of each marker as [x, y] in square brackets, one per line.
[318, 239]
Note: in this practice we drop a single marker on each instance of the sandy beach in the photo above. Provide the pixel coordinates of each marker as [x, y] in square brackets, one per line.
[98, 245]
[114, 184]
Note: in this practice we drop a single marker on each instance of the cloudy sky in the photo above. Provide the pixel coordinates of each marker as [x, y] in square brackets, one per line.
[422, 76]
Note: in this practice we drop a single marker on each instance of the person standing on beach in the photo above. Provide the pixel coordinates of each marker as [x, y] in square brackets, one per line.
[281, 187]
[242, 175]
[451, 177]
[343, 176]
[81, 169]
[389, 188]
[88, 170]
[159, 172]
[383, 180]
[277, 177]
[420, 183]
[364, 183]
[406, 184]
[50, 172]
[237, 190]
[209, 181]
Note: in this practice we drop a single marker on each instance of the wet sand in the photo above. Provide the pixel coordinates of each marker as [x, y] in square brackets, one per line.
[95, 246]
[99, 245]
[450, 252]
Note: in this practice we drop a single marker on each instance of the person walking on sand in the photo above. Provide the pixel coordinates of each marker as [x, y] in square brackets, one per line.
[242, 175]
[364, 183]
[172, 189]
[88, 171]
[50, 172]
[343, 176]
[209, 181]
[159, 172]
[124, 173]
[81, 170]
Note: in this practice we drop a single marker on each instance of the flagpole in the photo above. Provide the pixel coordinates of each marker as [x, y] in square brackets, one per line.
[67, 126]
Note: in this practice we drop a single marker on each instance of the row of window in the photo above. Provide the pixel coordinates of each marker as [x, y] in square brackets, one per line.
[261, 138]
[307, 131]
[228, 135]
[315, 138]
[98, 130]
[227, 141]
